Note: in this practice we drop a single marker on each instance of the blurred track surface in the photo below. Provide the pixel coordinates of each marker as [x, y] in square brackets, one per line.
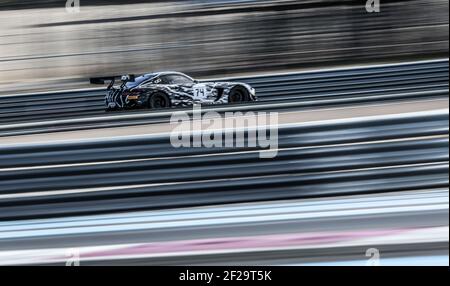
[378, 151]
[410, 225]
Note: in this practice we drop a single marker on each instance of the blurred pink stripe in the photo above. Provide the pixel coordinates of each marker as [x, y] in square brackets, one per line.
[236, 243]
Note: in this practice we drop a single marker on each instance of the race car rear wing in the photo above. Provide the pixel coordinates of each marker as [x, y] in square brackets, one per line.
[112, 80]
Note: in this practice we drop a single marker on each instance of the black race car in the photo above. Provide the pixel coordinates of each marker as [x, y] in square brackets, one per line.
[170, 89]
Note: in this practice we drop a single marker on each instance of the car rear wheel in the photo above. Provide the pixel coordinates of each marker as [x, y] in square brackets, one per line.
[238, 94]
[159, 100]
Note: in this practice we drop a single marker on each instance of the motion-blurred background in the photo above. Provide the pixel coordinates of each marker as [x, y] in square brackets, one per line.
[44, 47]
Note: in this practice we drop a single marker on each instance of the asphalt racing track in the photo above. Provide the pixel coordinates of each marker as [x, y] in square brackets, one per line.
[362, 163]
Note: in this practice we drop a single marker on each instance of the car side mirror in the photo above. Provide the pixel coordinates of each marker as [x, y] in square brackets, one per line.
[196, 81]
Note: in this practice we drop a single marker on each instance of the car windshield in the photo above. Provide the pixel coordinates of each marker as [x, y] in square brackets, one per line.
[140, 80]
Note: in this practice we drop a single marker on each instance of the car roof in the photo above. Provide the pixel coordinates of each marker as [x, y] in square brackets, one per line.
[170, 72]
[161, 73]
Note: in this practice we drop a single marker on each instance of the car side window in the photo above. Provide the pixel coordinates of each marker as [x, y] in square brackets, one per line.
[180, 79]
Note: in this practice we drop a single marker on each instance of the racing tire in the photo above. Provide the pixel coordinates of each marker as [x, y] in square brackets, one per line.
[238, 94]
[108, 109]
[159, 100]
